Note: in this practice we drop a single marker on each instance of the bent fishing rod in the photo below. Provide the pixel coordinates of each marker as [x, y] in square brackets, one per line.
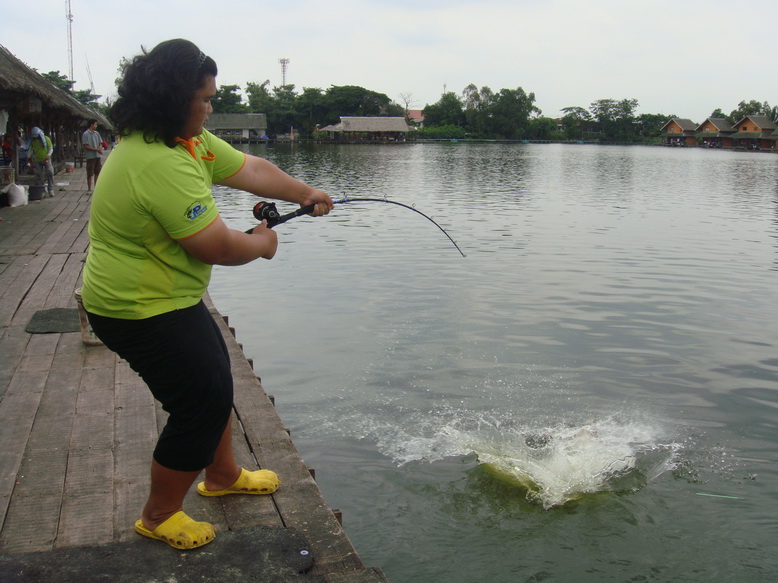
[267, 211]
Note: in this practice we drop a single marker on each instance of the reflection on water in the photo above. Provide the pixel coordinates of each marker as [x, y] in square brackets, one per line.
[618, 300]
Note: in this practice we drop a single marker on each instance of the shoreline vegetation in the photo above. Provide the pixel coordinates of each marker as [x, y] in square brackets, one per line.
[474, 114]
[281, 140]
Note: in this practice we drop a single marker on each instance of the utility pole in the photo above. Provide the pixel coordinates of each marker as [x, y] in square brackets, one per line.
[284, 63]
[69, 16]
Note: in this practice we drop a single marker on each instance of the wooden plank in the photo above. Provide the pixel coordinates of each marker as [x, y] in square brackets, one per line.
[66, 229]
[17, 220]
[33, 368]
[17, 413]
[85, 520]
[29, 526]
[16, 290]
[61, 295]
[76, 228]
[135, 434]
[55, 232]
[38, 493]
[13, 342]
[29, 239]
[88, 503]
[13, 267]
[81, 243]
[39, 290]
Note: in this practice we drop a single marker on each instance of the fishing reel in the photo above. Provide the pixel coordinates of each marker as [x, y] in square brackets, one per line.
[267, 211]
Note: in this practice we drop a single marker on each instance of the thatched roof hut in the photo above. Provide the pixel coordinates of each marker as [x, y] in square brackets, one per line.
[28, 99]
[369, 128]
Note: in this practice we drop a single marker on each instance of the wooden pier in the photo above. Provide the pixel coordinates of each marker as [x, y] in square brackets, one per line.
[77, 428]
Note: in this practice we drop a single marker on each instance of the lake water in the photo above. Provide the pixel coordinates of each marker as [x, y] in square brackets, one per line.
[590, 395]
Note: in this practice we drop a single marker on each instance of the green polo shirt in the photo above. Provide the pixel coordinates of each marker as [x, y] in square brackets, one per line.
[39, 151]
[149, 196]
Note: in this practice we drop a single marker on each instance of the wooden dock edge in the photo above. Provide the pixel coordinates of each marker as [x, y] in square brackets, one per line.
[299, 501]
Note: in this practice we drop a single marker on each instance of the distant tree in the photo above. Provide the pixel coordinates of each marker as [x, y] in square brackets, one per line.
[228, 100]
[752, 107]
[447, 111]
[406, 100]
[60, 81]
[352, 100]
[616, 119]
[718, 113]
[576, 121]
[311, 110]
[577, 113]
[393, 110]
[650, 125]
[259, 97]
[477, 106]
[88, 98]
[543, 128]
[510, 113]
[283, 117]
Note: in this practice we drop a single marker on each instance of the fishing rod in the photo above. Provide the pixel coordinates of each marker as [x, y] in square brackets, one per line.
[267, 211]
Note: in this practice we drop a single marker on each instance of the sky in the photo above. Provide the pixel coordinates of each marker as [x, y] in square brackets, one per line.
[676, 57]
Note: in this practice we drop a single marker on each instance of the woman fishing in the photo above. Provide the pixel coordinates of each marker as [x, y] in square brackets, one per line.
[155, 232]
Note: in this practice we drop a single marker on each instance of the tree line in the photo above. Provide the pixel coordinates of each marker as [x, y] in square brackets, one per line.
[509, 114]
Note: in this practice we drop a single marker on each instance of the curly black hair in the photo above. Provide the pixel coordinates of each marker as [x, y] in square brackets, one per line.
[157, 88]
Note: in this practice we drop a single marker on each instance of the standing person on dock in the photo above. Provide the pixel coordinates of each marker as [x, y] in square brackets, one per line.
[93, 152]
[41, 151]
[154, 233]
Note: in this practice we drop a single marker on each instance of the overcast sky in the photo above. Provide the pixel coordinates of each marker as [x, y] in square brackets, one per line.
[676, 57]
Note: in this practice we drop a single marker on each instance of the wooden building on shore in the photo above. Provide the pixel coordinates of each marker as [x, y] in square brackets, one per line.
[368, 129]
[238, 127]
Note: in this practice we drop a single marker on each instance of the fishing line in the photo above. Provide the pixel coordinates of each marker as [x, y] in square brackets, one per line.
[267, 211]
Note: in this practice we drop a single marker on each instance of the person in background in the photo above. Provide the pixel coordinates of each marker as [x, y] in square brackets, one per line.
[21, 151]
[155, 232]
[93, 152]
[8, 150]
[42, 149]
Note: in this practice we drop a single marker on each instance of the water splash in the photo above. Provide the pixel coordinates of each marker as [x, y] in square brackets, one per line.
[549, 465]
[556, 465]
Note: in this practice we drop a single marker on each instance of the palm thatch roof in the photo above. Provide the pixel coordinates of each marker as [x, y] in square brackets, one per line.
[18, 83]
[369, 124]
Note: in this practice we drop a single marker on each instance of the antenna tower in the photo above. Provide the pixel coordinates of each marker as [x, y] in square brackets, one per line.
[89, 72]
[284, 63]
[69, 16]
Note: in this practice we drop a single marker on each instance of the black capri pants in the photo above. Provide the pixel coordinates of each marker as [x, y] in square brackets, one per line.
[183, 359]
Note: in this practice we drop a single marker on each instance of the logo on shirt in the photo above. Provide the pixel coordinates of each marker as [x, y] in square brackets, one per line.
[195, 210]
